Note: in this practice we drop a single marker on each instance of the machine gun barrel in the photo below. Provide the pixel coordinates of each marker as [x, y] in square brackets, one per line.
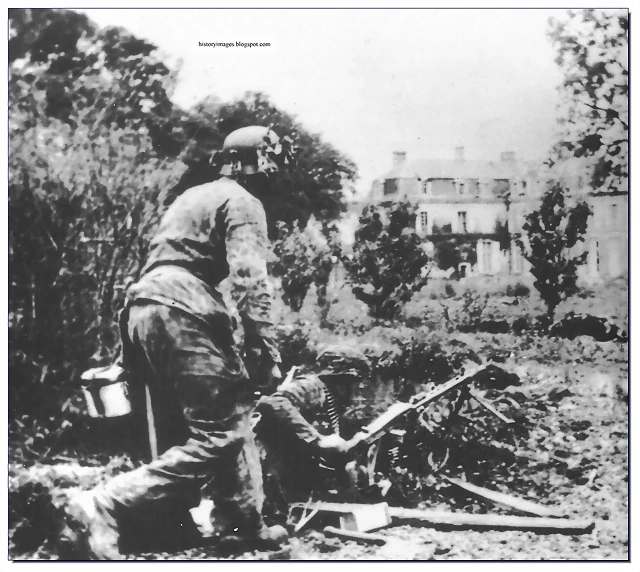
[397, 411]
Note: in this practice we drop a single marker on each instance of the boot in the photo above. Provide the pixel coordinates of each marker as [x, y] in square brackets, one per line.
[91, 533]
[267, 538]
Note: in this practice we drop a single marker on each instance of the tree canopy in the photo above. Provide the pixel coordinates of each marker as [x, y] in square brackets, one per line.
[64, 67]
[592, 52]
[314, 186]
[96, 142]
[389, 262]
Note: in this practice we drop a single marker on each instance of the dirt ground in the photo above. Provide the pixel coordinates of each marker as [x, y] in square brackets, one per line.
[575, 458]
[578, 455]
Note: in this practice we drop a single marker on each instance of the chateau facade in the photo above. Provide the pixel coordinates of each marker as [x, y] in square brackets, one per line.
[471, 213]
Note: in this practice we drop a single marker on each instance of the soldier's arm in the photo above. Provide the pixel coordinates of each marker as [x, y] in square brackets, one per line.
[247, 251]
[278, 409]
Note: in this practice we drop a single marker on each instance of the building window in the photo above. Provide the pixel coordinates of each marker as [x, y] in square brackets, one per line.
[426, 187]
[462, 221]
[614, 214]
[390, 186]
[487, 257]
[597, 256]
[462, 188]
[517, 259]
[424, 219]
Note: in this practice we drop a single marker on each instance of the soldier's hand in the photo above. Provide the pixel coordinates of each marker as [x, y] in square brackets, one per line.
[273, 376]
[334, 443]
[276, 374]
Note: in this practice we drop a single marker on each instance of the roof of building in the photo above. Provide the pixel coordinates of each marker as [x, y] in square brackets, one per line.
[401, 171]
[424, 169]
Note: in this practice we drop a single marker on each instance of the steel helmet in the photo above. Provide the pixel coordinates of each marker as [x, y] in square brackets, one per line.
[254, 149]
[343, 361]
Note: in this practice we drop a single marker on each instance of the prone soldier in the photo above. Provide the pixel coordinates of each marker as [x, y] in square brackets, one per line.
[299, 427]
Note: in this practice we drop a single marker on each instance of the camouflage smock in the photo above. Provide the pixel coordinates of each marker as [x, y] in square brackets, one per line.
[304, 406]
[211, 232]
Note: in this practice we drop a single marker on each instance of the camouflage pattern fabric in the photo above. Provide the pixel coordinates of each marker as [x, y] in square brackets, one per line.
[209, 233]
[341, 360]
[304, 404]
[203, 418]
[293, 420]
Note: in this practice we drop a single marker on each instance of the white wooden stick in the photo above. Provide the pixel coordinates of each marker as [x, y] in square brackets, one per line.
[153, 438]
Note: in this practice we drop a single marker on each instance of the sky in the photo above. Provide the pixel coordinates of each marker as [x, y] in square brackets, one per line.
[374, 81]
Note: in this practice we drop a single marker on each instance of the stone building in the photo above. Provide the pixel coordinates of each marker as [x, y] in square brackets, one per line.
[477, 208]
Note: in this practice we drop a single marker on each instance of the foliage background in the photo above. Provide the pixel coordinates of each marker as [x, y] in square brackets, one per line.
[96, 148]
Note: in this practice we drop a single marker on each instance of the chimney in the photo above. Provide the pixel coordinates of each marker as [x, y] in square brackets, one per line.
[399, 157]
[508, 157]
[459, 154]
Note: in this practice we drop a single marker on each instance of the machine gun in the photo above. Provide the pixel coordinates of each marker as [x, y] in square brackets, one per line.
[398, 411]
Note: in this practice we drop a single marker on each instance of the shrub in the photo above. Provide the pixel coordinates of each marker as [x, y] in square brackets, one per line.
[521, 324]
[449, 290]
[470, 311]
[389, 262]
[519, 290]
[447, 254]
[552, 232]
[80, 214]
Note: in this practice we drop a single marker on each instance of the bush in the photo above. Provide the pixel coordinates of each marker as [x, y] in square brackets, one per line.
[80, 215]
[403, 359]
[303, 259]
[552, 232]
[389, 262]
[521, 324]
[518, 291]
[449, 290]
[469, 313]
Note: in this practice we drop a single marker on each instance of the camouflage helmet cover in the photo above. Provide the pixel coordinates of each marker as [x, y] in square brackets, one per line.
[254, 149]
[343, 361]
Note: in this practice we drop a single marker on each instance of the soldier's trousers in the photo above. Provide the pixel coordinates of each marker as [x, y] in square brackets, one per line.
[200, 393]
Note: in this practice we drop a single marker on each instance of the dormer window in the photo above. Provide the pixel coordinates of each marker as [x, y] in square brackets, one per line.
[390, 186]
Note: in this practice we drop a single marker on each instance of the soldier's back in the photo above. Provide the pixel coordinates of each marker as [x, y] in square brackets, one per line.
[192, 232]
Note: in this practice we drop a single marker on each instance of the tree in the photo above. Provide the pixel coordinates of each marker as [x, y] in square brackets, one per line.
[592, 47]
[91, 76]
[303, 260]
[85, 174]
[552, 233]
[389, 261]
[95, 146]
[315, 185]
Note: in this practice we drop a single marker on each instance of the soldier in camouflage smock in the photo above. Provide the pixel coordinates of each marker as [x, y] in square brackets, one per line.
[178, 339]
[299, 427]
